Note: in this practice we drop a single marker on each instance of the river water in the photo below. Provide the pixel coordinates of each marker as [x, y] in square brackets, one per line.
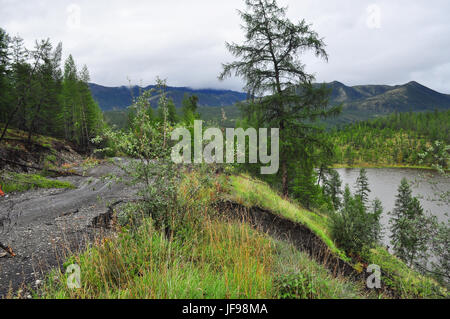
[385, 181]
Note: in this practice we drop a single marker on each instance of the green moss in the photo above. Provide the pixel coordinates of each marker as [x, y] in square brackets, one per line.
[13, 182]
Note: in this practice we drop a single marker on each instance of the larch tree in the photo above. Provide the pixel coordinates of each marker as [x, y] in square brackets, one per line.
[270, 65]
[5, 82]
[91, 115]
[70, 98]
[46, 86]
[189, 108]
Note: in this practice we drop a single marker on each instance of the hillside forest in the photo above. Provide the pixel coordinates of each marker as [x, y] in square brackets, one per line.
[39, 96]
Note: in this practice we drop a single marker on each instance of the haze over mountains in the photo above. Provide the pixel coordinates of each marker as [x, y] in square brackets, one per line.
[110, 98]
[359, 102]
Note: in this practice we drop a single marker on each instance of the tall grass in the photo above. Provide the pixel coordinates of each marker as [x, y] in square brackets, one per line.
[220, 261]
[203, 257]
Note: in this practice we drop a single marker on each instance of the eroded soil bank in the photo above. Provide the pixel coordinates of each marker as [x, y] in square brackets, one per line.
[299, 235]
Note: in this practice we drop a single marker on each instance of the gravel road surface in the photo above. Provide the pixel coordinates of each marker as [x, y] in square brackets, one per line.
[43, 225]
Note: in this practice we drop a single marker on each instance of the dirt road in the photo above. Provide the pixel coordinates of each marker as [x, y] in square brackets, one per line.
[43, 224]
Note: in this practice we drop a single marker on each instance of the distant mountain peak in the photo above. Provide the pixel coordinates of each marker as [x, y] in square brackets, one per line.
[411, 96]
[415, 84]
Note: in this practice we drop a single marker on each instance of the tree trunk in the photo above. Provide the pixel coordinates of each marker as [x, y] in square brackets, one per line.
[284, 178]
[19, 103]
[32, 124]
[7, 123]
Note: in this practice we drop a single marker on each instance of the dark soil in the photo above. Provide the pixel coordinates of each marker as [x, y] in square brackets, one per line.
[299, 235]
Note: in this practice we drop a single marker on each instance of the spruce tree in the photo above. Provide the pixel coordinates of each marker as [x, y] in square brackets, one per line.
[362, 186]
[305, 187]
[377, 229]
[354, 227]
[332, 188]
[408, 225]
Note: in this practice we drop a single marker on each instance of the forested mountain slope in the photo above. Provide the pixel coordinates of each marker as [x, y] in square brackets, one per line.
[121, 97]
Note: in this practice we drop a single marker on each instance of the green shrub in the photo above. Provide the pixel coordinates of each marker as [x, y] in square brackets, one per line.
[353, 227]
[296, 286]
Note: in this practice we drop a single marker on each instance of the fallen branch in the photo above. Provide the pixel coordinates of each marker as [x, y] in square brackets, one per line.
[60, 173]
[7, 249]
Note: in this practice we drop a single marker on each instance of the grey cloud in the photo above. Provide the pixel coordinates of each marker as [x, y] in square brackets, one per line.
[184, 40]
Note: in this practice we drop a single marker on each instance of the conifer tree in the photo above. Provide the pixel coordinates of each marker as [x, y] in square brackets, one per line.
[70, 99]
[377, 229]
[269, 63]
[362, 186]
[172, 116]
[408, 226]
[82, 115]
[5, 81]
[189, 108]
[332, 188]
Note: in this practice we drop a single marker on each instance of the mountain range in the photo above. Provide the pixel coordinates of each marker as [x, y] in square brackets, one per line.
[366, 101]
[110, 98]
[359, 102]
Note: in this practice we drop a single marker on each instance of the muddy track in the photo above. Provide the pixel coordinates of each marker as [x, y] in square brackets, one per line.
[299, 235]
[43, 226]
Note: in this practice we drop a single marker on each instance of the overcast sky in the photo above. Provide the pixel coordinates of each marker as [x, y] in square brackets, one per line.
[369, 42]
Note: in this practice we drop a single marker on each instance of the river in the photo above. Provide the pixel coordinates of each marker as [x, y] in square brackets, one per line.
[385, 181]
